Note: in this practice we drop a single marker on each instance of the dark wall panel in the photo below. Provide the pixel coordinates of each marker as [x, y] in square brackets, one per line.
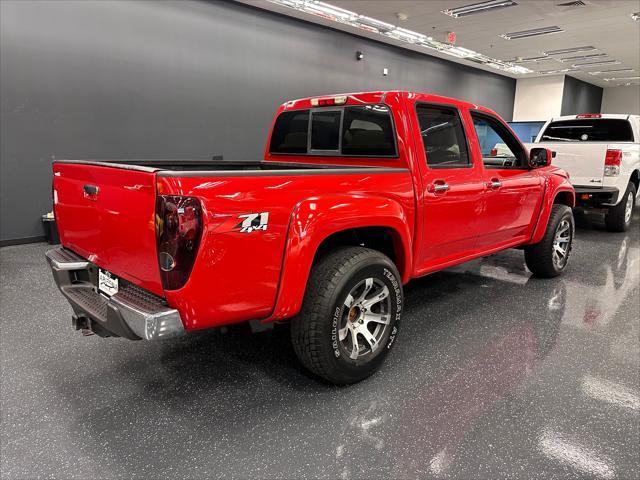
[113, 79]
[580, 97]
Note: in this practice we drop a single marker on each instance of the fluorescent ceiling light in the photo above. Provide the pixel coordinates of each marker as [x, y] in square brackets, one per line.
[555, 72]
[615, 70]
[620, 78]
[531, 33]
[583, 57]
[540, 58]
[377, 24]
[596, 64]
[564, 51]
[347, 17]
[636, 16]
[325, 8]
[478, 8]
[406, 35]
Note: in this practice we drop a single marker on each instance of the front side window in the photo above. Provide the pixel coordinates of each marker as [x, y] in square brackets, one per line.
[499, 147]
[445, 145]
[588, 130]
[363, 131]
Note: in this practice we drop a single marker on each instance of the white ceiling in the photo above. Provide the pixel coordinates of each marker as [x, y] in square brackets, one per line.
[604, 24]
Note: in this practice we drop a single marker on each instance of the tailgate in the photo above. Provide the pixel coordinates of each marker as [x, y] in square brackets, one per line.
[584, 161]
[106, 214]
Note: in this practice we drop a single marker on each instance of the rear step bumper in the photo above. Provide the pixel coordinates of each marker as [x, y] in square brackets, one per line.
[596, 197]
[132, 313]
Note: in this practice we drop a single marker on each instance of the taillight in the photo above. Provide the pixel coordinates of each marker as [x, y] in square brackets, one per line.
[589, 115]
[612, 161]
[178, 232]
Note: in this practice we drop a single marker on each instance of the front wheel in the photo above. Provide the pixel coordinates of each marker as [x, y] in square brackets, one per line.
[350, 315]
[618, 218]
[549, 257]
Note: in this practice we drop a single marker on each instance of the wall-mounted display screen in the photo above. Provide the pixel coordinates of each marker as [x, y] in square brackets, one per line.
[526, 131]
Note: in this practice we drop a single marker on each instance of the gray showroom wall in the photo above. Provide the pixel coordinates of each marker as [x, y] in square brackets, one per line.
[116, 79]
[580, 97]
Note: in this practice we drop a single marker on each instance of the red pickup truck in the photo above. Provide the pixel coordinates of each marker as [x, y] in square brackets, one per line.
[357, 194]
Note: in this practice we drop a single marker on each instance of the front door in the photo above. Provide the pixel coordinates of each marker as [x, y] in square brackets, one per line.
[513, 191]
[452, 188]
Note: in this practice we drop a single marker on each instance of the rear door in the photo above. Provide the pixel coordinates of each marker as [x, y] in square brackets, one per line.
[451, 187]
[107, 215]
[581, 145]
[513, 191]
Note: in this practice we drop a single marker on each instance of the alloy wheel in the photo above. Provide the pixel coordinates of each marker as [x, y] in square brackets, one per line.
[628, 209]
[562, 244]
[365, 319]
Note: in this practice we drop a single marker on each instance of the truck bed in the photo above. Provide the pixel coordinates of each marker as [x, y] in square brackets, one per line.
[107, 214]
[206, 166]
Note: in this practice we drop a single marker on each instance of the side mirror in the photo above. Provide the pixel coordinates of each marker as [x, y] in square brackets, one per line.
[540, 157]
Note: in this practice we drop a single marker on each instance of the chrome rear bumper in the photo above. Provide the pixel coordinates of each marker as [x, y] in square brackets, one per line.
[132, 313]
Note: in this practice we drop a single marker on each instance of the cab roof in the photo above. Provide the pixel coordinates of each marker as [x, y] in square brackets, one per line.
[379, 96]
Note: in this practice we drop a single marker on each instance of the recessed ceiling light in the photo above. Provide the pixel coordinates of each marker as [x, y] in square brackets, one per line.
[554, 72]
[564, 51]
[583, 57]
[636, 16]
[615, 70]
[327, 11]
[478, 8]
[532, 33]
[596, 64]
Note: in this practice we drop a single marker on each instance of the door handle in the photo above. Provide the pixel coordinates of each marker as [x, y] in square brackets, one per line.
[494, 183]
[439, 186]
[91, 192]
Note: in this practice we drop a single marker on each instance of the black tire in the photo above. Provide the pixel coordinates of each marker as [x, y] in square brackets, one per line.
[315, 331]
[615, 219]
[539, 257]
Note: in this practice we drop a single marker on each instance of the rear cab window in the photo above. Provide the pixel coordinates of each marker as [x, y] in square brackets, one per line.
[350, 131]
[588, 130]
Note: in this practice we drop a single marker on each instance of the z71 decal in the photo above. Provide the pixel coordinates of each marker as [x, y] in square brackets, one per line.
[253, 221]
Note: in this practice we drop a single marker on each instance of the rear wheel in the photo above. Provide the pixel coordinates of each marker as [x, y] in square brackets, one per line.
[618, 218]
[549, 257]
[350, 315]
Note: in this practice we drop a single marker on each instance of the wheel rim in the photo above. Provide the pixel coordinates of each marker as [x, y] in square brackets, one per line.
[365, 319]
[628, 209]
[561, 244]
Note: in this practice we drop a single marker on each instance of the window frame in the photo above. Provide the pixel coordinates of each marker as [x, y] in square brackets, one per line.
[464, 134]
[478, 113]
[338, 153]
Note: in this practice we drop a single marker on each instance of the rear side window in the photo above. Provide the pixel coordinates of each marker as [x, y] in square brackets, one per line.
[362, 131]
[445, 144]
[588, 130]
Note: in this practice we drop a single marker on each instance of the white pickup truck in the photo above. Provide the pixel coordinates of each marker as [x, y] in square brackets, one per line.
[601, 152]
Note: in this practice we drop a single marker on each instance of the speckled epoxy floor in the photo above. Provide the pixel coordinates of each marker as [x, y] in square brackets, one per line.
[497, 375]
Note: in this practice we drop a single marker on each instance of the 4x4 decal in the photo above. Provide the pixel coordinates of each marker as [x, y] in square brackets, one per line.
[253, 221]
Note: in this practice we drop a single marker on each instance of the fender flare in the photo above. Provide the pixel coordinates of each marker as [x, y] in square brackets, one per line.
[558, 185]
[314, 220]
